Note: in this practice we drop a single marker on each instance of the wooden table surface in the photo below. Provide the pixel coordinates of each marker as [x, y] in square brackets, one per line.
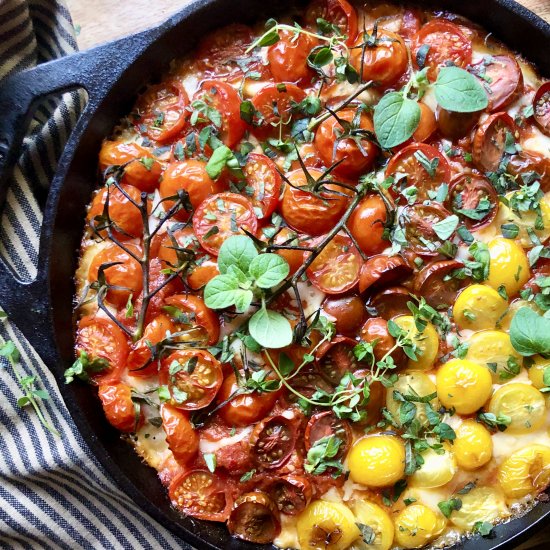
[99, 21]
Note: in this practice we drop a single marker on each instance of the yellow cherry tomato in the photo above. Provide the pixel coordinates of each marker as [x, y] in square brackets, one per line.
[504, 323]
[417, 525]
[369, 513]
[377, 460]
[438, 469]
[412, 383]
[536, 371]
[508, 265]
[473, 446]
[325, 525]
[464, 385]
[493, 349]
[479, 307]
[480, 504]
[427, 342]
[525, 472]
[522, 403]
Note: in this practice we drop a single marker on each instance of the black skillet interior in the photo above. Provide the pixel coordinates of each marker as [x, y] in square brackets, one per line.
[112, 75]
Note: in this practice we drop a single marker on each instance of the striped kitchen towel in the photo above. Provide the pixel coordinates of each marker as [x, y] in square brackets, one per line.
[53, 492]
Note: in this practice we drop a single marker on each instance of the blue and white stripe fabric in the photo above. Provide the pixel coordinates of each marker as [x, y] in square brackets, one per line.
[53, 492]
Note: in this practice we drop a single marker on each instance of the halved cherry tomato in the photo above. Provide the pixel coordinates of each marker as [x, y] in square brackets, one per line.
[125, 217]
[273, 441]
[119, 408]
[140, 168]
[336, 358]
[162, 111]
[326, 424]
[254, 518]
[202, 495]
[404, 21]
[291, 493]
[288, 58]
[348, 311]
[264, 181]
[503, 78]
[139, 361]
[314, 214]
[417, 222]
[490, 140]
[434, 283]
[336, 269]
[529, 161]
[447, 44]
[243, 409]
[354, 158]
[474, 199]
[424, 167]
[337, 12]
[375, 331]
[541, 108]
[274, 107]
[427, 125]
[453, 125]
[385, 61]
[181, 437]
[190, 176]
[307, 383]
[193, 378]
[220, 216]
[391, 302]
[101, 338]
[197, 314]
[367, 224]
[382, 270]
[225, 99]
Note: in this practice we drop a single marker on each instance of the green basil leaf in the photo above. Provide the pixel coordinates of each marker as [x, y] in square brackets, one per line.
[237, 250]
[395, 119]
[268, 270]
[221, 291]
[218, 160]
[270, 329]
[530, 332]
[459, 91]
[445, 228]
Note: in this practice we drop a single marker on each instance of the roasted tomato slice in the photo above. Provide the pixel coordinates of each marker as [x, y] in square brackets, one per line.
[220, 216]
[424, 167]
[288, 58]
[367, 224]
[391, 302]
[314, 214]
[327, 424]
[335, 358]
[273, 441]
[263, 184]
[382, 270]
[434, 283]
[193, 378]
[195, 313]
[274, 106]
[417, 222]
[100, 338]
[348, 312]
[162, 111]
[355, 154]
[337, 12]
[490, 141]
[202, 495]
[291, 493]
[336, 269]
[541, 108]
[254, 518]
[474, 199]
[225, 100]
[447, 43]
[181, 437]
[375, 331]
[120, 410]
[502, 78]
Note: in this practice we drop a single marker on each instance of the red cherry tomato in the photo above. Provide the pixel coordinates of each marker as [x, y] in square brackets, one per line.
[181, 437]
[337, 12]
[220, 216]
[406, 22]
[294, 258]
[140, 170]
[334, 359]
[489, 146]
[162, 111]
[264, 182]
[382, 270]
[273, 441]
[291, 493]
[314, 214]
[337, 267]
[254, 518]
[225, 99]
[288, 58]
[375, 331]
[541, 108]
[454, 125]
[348, 312]
[327, 424]
[433, 283]
[119, 408]
[391, 302]
[367, 224]
[427, 125]
[447, 44]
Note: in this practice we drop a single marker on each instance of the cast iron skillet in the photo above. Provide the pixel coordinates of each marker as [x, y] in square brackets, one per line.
[112, 75]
